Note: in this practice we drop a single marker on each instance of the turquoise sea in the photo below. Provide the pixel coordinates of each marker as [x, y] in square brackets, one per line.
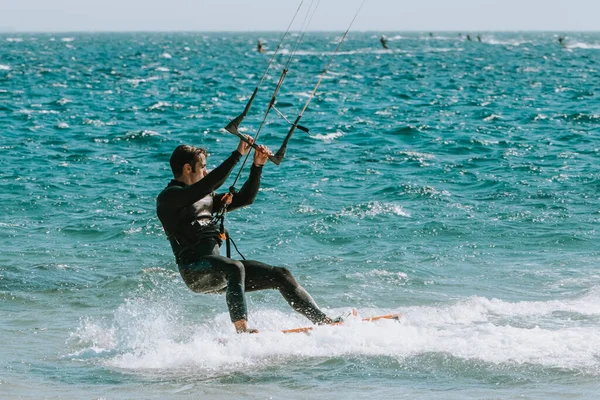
[456, 182]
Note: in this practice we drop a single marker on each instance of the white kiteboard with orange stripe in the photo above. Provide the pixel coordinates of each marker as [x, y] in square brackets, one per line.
[308, 329]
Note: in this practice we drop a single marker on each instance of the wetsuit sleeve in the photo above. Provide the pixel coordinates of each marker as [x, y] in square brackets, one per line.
[247, 193]
[212, 181]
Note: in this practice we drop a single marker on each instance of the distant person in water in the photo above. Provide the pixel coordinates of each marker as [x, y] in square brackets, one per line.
[561, 40]
[478, 38]
[383, 41]
[260, 47]
[469, 37]
[188, 210]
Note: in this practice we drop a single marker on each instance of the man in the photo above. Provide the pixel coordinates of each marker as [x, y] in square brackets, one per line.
[561, 41]
[383, 41]
[187, 208]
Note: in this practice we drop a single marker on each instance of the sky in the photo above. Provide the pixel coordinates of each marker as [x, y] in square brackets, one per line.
[274, 15]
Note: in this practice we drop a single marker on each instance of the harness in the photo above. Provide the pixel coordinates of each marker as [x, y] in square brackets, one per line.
[220, 218]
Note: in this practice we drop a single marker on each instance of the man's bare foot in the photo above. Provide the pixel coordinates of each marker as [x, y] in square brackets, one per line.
[248, 330]
[241, 326]
[339, 320]
[329, 321]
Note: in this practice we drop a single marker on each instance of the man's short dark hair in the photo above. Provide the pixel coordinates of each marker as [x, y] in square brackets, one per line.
[185, 154]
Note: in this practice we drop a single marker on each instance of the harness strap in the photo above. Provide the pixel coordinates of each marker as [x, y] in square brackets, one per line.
[223, 233]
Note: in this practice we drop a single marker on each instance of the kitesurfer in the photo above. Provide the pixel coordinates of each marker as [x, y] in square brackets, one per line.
[561, 41]
[383, 41]
[259, 47]
[187, 208]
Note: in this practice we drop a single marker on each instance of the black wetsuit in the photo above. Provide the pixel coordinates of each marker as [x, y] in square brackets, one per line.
[186, 211]
[383, 42]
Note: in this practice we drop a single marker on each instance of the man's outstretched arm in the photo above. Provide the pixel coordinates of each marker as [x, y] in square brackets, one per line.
[250, 188]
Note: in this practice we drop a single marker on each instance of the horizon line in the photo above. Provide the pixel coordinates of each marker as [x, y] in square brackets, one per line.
[313, 31]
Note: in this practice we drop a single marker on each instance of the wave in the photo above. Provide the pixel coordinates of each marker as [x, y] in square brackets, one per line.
[424, 191]
[513, 42]
[145, 135]
[163, 105]
[380, 275]
[581, 45]
[136, 81]
[327, 137]
[422, 158]
[373, 209]
[366, 50]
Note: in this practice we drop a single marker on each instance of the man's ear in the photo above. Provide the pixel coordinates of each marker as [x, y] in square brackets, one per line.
[187, 168]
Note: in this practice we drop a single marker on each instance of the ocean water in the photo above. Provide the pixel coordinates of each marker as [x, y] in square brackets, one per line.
[455, 182]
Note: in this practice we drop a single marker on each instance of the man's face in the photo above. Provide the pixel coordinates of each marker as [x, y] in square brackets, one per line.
[200, 169]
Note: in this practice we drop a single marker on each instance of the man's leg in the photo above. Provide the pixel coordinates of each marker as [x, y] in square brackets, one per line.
[214, 273]
[261, 276]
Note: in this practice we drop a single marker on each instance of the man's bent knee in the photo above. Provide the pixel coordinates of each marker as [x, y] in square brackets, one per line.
[236, 270]
[284, 276]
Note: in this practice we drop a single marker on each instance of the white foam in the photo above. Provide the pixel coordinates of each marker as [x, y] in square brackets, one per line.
[95, 122]
[380, 274]
[580, 45]
[327, 137]
[160, 105]
[492, 117]
[443, 49]
[63, 101]
[4, 67]
[417, 156]
[93, 335]
[369, 50]
[136, 81]
[306, 209]
[151, 334]
[506, 42]
[373, 209]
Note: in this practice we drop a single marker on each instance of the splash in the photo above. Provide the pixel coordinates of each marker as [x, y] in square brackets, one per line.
[581, 45]
[374, 209]
[327, 137]
[151, 335]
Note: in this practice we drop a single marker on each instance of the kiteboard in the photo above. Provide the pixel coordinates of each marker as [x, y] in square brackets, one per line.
[308, 329]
